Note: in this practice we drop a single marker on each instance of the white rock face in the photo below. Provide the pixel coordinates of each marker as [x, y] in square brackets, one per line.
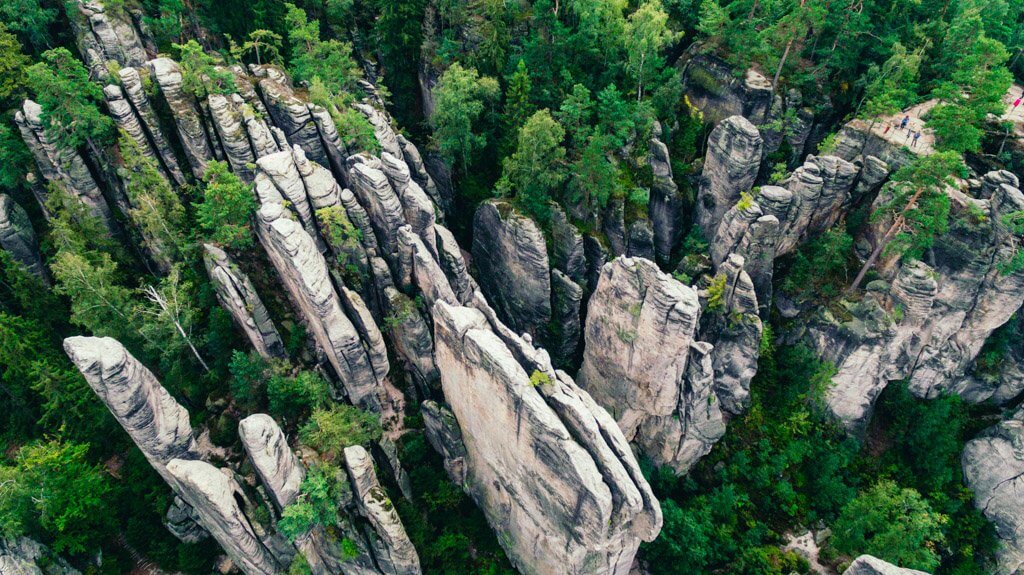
[732, 162]
[212, 494]
[393, 550]
[105, 36]
[238, 296]
[549, 468]
[191, 129]
[643, 363]
[868, 565]
[993, 467]
[131, 83]
[157, 423]
[23, 556]
[277, 467]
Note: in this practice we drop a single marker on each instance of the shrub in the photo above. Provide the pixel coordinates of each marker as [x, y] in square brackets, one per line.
[333, 429]
[292, 397]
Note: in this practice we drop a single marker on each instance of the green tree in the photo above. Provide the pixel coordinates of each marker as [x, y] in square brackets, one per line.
[30, 19]
[155, 209]
[518, 106]
[462, 96]
[917, 206]
[265, 45]
[316, 504]
[330, 60]
[225, 214]
[535, 172]
[892, 523]
[330, 430]
[55, 487]
[203, 74]
[71, 115]
[13, 64]
[167, 317]
[292, 397]
[646, 34]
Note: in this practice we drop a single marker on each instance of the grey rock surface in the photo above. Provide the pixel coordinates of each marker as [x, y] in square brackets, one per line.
[23, 556]
[730, 167]
[868, 565]
[192, 130]
[18, 238]
[238, 296]
[276, 466]
[142, 108]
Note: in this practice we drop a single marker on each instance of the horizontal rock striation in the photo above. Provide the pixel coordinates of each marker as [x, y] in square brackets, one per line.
[730, 167]
[18, 239]
[106, 35]
[238, 296]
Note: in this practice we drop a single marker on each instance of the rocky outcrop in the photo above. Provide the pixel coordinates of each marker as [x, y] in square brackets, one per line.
[142, 109]
[868, 565]
[548, 467]
[304, 273]
[244, 135]
[18, 239]
[929, 324]
[278, 181]
[512, 261]
[215, 496]
[386, 212]
[665, 207]
[192, 129]
[276, 466]
[305, 124]
[731, 323]
[157, 423]
[392, 549]
[993, 467]
[62, 166]
[566, 325]
[23, 556]
[238, 296]
[642, 362]
[106, 35]
[730, 167]
[720, 92]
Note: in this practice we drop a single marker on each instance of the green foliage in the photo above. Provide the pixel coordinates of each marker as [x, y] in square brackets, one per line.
[354, 128]
[265, 45]
[330, 430]
[225, 214]
[30, 20]
[533, 175]
[317, 503]
[538, 378]
[155, 209]
[203, 74]
[1014, 225]
[892, 523]
[12, 68]
[71, 114]
[55, 490]
[330, 60]
[291, 397]
[820, 268]
[518, 107]
[462, 97]
[716, 294]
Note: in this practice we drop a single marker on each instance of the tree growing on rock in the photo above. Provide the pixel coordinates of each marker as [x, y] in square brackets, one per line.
[462, 97]
[71, 115]
[534, 174]
[225, 214]
[918, 207]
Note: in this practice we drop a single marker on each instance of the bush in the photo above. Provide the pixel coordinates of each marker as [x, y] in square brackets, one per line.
[291, 397]
[317, 503]
[331, 430]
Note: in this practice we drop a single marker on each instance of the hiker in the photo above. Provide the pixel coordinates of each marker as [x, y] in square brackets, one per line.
[917, 136]
[1015, 104]
[903, 124]
[888, 127]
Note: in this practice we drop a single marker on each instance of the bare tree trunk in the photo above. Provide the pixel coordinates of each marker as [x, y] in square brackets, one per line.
[159, 300]
[884, 241]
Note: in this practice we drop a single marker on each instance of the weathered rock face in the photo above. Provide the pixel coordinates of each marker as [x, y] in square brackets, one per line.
[714, 88]
[930, 324]
[244, 136]
[142, 109]
[276, 466]
[731, 165]
[734, 329]
[60, 165]
[157, 423]
[192, 130]
[993, 467]
[386, 212]
[392, 549]
[512, 261]
[18, 239]
[665, 207]
[23, 556]
[214, 495]
[278, 180]
[564, 493]
[106, 35]
[855, 139]
[868, 565]
[304, 272]
[299, 119]
[238, 296]
[643, 363]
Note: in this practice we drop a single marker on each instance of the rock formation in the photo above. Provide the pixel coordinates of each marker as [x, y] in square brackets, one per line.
[215, 497]
[512, 261]
[548, 467]
[106, 35]
[62, 166]
[238, 296]
[993, 465]
[142, 108]
[392, 548]
[731, 165]
[244, 136]
[192, 129]
[929, 324]
[868, 565]
[642, 362]
[157, 423]
[665, 207]
[276, 466]
[18, 239]
[23, 556]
